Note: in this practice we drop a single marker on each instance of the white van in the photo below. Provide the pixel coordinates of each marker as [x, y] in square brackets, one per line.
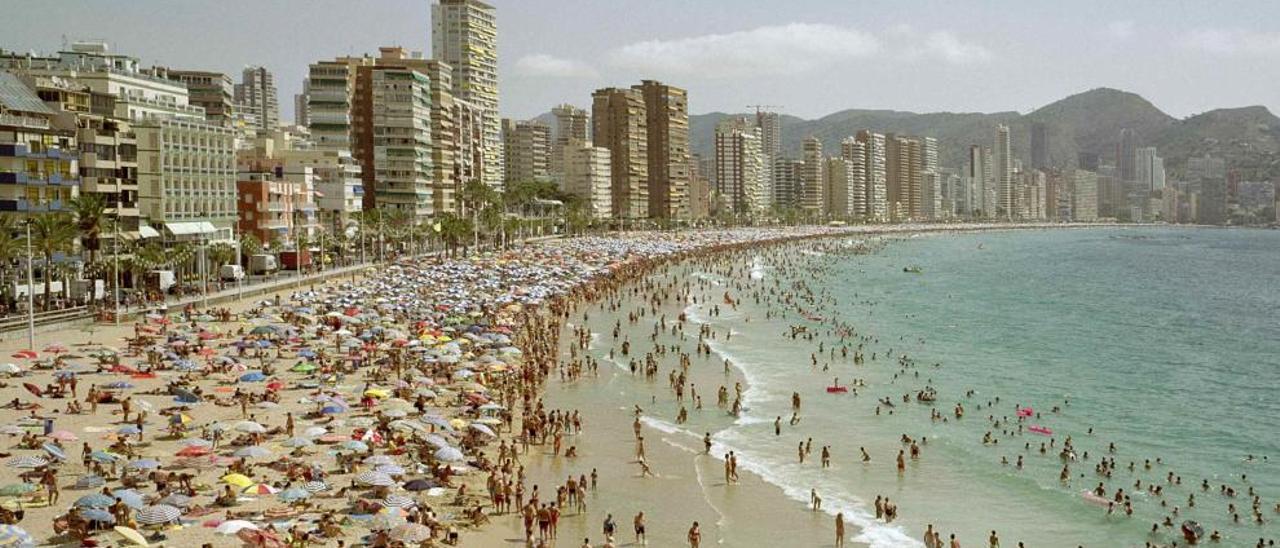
[231, 272]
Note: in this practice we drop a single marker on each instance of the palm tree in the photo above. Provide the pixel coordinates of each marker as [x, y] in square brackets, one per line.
[250, 244]
[51, 233]
[90, 210]
[11, 246]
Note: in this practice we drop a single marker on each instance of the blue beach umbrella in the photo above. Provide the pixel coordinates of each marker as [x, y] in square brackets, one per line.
[253, 376]
[54, 451]
[97, 514]
[94, 500]
[294, 494]
[144, 464]
[103, 456]
[130, 498]
[12, 535]
[118, 385]
[128, 429]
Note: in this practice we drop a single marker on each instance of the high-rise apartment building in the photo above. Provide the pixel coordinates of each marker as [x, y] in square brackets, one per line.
[877, 194]
[699, 189]
[741, 182]
[904, 163]
[1149, 169]
[39, 161]
[399, 146]
[212, 91]
[810, 192]
[527, 149]
[336, 180]
[667, 112]
[786, 182]
[572, 123]
[1039, 145]
[587, 174]
[256, 94]
[300, 104]
[1006, 194]
[1126, 155]
[464, 34]
[856, 153]
[329, 103]
[770, 124]
[1084, 196]
[838, 189]
[619, 123]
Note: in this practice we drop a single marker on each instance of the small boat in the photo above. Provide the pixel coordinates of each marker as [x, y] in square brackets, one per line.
[912, 269]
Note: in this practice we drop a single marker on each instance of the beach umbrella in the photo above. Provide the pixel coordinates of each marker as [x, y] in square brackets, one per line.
[250, 427]
[185, 396]
[129, 497]
[195, 442]
[315, 431]
[305, 367]
[260, 489]
[54, 451]
[238, 480]
[253, 452]
[437, 420]
[390, 469]
[99, 515]
[332, 410]
[449, 454]
[104, 456]
[157, 514]
[118, 385]
[315, 486]
[355, 445]
[231, 527]
[411, 533]
[386, 521]
[253, 376]
[17, 489]
[373, 478]
[483, 430]
[89, 482]
[10, 369]
[12, 535]
[63, 435]
[297, 442]
[362, 422]
[95, 500]
[265, 330]
[418, 485]
[177, 499]
[294, 494]
[398, 501]
[144, 464]
[25, 355]
[128, 430]
[396, 413]
[12, 430]
[131, 535]
[27, 461]
[378, 459]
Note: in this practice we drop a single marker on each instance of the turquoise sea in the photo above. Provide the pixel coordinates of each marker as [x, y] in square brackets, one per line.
[1164, 341]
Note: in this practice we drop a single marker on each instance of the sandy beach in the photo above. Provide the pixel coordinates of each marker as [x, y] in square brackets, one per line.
[378, 412]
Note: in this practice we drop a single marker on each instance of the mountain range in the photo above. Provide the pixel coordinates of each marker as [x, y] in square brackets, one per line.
[1248, 138]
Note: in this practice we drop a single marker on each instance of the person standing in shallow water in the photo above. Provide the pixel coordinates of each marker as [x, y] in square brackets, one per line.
[840, 530]
[695, 536]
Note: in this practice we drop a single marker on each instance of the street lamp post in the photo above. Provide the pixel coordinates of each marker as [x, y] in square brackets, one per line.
[115, 248]
[31, 300]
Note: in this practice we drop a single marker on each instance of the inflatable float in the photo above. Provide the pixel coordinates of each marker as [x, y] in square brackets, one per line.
[837, 389]
[1040, 429]
[1092, 498]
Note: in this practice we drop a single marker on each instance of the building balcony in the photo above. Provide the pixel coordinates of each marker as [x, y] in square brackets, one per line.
[23, 121]
[10, 178]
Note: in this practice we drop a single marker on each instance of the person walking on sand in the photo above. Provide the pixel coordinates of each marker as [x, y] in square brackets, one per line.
[695, 536]
[840, 530]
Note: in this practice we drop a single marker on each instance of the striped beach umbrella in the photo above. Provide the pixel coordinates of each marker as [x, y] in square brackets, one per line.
[177, 499]
[12, 535]
[17, 489]
[253, 452]
[370, 477]
[27, 461]
[376, 460]
[104, 456]
[398, 501]
[390, 469]
[316, 486]
[449, 454]
[260, 489]
[158, 514]
[89, 482]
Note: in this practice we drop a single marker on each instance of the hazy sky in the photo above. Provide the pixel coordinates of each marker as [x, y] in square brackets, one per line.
[812, 57]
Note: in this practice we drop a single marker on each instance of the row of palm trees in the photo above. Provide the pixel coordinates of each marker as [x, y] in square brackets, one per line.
[486, 219]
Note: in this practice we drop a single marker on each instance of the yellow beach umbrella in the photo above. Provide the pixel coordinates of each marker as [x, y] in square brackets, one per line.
[377, 393]
[238, 480]
[131, 535]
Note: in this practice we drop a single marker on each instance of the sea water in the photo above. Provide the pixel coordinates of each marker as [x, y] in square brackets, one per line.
[1165, 341]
